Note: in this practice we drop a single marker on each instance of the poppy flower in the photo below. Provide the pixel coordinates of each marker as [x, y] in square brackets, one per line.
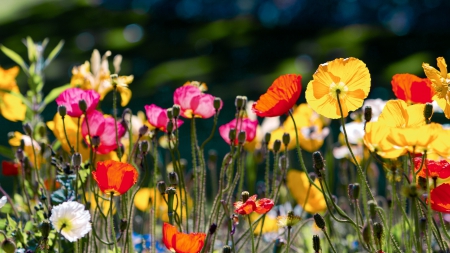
[396, 113]
[440, 80]
[348, 76]
[280, 97]
[71, 97]
[434, 169]
[375, 140]
[247, 125]
[298, 185]
[194, 103]
[10, 168]
[414, 139]
[115, 177]
[180, 242]
[251, 205]
[104, 128]
[11, 107]
[412, 89]
[157, 117]
[17, 138]
[100, 77]
[440, 198]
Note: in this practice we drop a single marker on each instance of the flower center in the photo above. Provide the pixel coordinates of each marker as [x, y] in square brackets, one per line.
[64, 224]
[341, 88]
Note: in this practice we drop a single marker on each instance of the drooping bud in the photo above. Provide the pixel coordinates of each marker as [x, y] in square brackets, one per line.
[27, 129]
[245, 195]
[161, 185]
[316, 244]
[62, 110]
[428, 112]
[176, 109]
[173, 178]
[143, 130]
[217, 103]
[241, 137]
[320, 222]
[76, 160]
[286, 139]
[45, 228]
[372, 209]
[378, 230]
[276, 146]
[123, 225]
[366, 233]
[367, 113]
[83, 105]
[144, 147]
[353, 191]
[170, 113]
[318, 164]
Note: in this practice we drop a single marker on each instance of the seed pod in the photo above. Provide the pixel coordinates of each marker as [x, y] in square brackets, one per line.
[367, 113]
[241, 137]
[217, 103]
[267, 138]
[226, 249]
[62, 110]
[83, 105]
[176, 111]
[428, 112]
[320, 222]
[245, 195]
[28, 130]
[173, 178]
[161, 185]
[286, 139]
[144, 147]
[276, 146]
[316, 244]
[170, 113]
[76, 160]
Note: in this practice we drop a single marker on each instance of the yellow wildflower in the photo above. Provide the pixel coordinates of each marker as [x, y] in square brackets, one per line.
[11, 107]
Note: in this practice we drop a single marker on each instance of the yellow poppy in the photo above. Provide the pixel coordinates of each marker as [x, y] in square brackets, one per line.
[414, 139]
[396, 113]
[28, 147]
[440, 81]
[143, 202]
[270, 224]
[375, 140]
[441, 145]
[350, 77]
[100, 77]
[104, 203]
[11, 107]
[298, 184]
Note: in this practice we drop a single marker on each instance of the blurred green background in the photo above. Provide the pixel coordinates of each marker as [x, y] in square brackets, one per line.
[238, 47]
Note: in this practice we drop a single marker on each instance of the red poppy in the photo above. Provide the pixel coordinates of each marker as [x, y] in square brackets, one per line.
[412, 89]
[280, 97]
[260, 206]
[435, 169]
[115, 177]
[440, 198]
[10, 168]
[180, 242]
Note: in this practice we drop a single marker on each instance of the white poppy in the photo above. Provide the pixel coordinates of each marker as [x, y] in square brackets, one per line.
[71, 219]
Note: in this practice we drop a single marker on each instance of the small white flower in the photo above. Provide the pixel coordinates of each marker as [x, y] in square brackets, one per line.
[71, 219]
[2, 201]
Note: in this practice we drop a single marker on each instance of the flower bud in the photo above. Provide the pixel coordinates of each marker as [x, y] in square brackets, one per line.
[367, 113]
[245, 195]
[143, 130]
[96, 141]
[176, 109]
[62, 110]
[428, 112]
[212, 228]
[170, 113]
[378, 230]
[45, 228]
[83, 105]
[366, 233]
[276, 146]
[161, 185]
[144, 147]
[353, 191]
[8, 246]
[318, 164]
[240, 102]
[320, 222]
[372, 209]
[123, 225]
[173, 178]
[217, 103]
[241, 137]
[76, 160]
[286, 139]
[27, 129]
[316, 244]
[226, 249]
[267, 138]
[20, 155]
[283, 163]
[232, 135]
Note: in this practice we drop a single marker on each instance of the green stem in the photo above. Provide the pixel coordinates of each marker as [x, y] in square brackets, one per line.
[112, 222]
[329, 240]
[196, 178]
[288, 243]
[119, 151]
[67, 138]
[251, 233]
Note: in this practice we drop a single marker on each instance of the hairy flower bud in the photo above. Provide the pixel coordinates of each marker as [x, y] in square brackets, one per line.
[240, 102]
[428, 112]
[27, 129]
[286, 139]
[169, 126]
[276, 146]
[372, 209]
[45, 228]
[367, 113]
[161, 185]
[176, 109]
[76, 160]
[245, 195]
[170, 113]
[83, 105]
[366, 233]
[267, 138]
[212, 228]
[226, 249]
[217, 103]
[378, 230]
[353, 191]
[173, 178]
[320, 222]
[318, 164]
[232, 135]
[144, 147]
[62, 110]
[242, 137]
[316, 244]
[283, 163]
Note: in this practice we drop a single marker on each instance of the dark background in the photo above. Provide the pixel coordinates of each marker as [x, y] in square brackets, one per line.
[238, 47]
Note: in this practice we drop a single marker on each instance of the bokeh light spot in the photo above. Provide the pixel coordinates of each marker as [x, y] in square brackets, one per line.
[85, 41]
[133, 33]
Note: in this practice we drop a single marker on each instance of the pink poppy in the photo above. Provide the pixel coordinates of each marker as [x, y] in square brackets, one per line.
[157, 117]
[104, 128]
[247, 125]
[71, 97]
[194, 103]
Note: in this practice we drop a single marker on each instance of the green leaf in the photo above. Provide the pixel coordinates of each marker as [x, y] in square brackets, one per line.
[32, 54]
[58, 197]
[53, 95]
[54, 53]
[24, 100]
[15, 57]
[12, 224]
[6, 152]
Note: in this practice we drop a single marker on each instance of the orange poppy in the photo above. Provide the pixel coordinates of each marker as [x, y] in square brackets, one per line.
[434, 169]
[440, 198]
[348, 76]
[115, 177]
[10, 168]
[280, 97]
[412, 89]
[260, 206]
[180, 242]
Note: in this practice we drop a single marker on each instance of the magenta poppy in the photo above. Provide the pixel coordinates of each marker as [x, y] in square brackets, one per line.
[194, 103]
[71, 97]
[157, 117]
[247, 125]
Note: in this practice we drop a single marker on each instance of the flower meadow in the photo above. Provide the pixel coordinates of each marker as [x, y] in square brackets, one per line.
[89, 181]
